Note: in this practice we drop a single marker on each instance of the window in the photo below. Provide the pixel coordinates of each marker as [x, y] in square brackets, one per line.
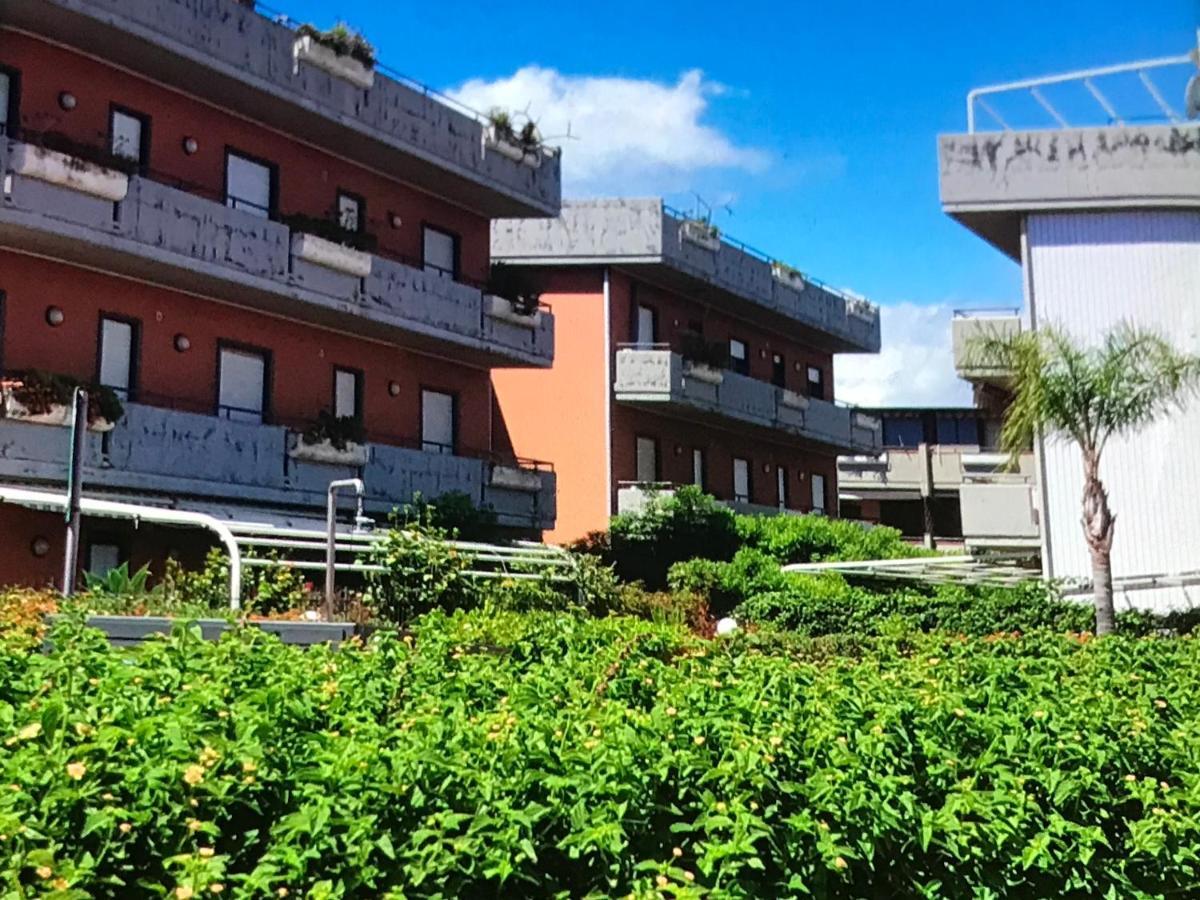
[242, 379]
[347, 393]
[647, 460]
[102, 558]
[778, 370]
[818, 493]
[249, 184]
[955, 430]
[741, 480]
[902, 432]
[647, 325]
[351, 211]
[437, 422]
[698, 468]
[816, 383]
[10, 92]
[117, 363]
[441, 251]
[129, 135]
[739, 356]
[781, 487]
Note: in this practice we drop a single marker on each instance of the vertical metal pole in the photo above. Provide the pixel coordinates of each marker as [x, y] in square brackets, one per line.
[331, 533]
[79, 423]
[926, 453]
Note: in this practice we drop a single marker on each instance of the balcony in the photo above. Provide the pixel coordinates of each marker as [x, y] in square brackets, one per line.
[969, 326]
[190, 242]
[660, 245]
[659, 379]
[633, 497]
[238, 59]
[174, 454]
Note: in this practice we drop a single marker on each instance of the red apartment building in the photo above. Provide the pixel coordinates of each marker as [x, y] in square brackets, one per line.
[236, 229]
[682, 358]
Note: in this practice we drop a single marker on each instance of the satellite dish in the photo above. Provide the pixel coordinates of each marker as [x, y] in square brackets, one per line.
[1192, 97]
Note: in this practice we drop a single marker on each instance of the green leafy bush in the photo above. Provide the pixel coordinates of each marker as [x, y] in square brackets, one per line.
[802, 539]
[454, 514]
[339, 431]
[546, 755]
[422, 573]
[39, 391]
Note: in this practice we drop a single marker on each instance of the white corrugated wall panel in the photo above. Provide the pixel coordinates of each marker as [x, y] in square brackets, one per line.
[1087, 272]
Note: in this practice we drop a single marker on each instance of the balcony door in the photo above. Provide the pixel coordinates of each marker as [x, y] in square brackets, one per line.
[741, 480]
[646, 451]
[437, 422]
[243, 385]
[816, 383]
[778, 370]
[698, 467]
[129, 135]
[347, 391]
[818, 493]
[249, 184]
[781, 487]
[739, 356]
[440, 249]
[647, 326]
[117, 367]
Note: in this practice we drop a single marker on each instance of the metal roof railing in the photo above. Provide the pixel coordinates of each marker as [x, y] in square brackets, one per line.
[1125, 84]
[987, 312]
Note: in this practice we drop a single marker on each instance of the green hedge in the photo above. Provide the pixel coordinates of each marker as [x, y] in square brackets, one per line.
[545, 755]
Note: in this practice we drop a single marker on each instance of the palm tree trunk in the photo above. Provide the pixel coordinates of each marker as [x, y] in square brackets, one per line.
[1098, 523]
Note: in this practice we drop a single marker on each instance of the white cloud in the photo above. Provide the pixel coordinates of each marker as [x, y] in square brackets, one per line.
[634, 135]
[915, 366]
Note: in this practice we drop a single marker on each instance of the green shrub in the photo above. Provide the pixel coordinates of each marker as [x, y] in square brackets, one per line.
[802, 539]
[546, 755]
[423, 573]
[454, 514]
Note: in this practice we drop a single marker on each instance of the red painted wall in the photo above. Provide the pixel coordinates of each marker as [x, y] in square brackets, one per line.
[674, 312]
[308, 178]
[303, 357]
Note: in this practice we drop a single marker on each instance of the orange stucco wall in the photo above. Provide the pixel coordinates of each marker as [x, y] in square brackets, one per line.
[558, 414]
[302, 357]
[309, 179]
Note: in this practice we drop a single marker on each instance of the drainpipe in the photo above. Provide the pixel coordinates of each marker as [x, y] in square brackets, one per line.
[331, 532]
[79, 428]
[926, 453]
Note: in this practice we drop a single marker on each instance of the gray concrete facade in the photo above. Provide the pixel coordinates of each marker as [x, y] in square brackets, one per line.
[644, 237]
[182, 455]
[245, 62]
[660, 378]
[990, 180]
[189, 242]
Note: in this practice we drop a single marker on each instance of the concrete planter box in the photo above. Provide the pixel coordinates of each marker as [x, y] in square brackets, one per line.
[790, 277]
[703, 372]
[500, 308]
[862, 420]
[129, 631]
[515, 152]
[700, 233]
[516, 479]
[792, 400]
[325, 453]
[860, 308]
[345, 67]
[68, 171]
[58, 416]
[338, 257]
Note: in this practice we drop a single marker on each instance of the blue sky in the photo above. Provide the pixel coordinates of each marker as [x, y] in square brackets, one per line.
[815, 121]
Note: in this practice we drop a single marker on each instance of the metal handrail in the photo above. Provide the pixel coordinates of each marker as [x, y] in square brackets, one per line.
[1085, 77]
[984, 312]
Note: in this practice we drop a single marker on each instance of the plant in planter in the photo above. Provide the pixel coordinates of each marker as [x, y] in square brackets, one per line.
[61, 160]
[83, 154]
[328, 228]
[788, 275]
[701, 231]
[703, 360]
[323, 241]
[341, 51]
[523, 145]
[512, 295]
[45, 398]
[343, 41]
[334, 440]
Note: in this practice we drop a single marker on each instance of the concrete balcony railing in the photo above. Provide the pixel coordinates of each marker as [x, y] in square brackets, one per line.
[657, 378]
[238, 59]
[967, 329]
[902, 472]
[191, 242]
[633, 497]
[1000, 516]
[156, 451]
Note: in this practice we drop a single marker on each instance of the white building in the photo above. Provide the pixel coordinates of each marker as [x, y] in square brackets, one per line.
[1105, 223]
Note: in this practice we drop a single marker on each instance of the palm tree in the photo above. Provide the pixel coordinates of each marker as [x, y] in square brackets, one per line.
[1088, 394]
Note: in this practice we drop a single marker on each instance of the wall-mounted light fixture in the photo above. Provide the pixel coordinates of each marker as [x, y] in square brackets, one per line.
[679, 450]
[766, 468]
[394, 388]
[54, 316]
[67, 101]
[183, 343]
[39, 546]
[394, 220]
[190, 145]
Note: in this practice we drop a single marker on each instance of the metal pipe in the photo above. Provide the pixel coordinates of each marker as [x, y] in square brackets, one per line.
[331, 532]
[79, 427]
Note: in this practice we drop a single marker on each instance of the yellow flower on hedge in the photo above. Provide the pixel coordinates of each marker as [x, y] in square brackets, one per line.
[249, 765]
[44, 871]
[76, 770]
[29, 732]
[194, 774]
[840, 863]
[208, 756]
[1161, 704]
[698, 740]
[125, 827]
[194, 824]
[216, 887]
[183, 892]
[206, 852]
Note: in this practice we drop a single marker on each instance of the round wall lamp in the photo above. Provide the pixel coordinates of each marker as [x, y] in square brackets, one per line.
[394, 388]
[54, 316]
[766, 468]
[39, 546]
[182, 343]
[679, 450]
[190, 145]
[67, 101]
[394, 220]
